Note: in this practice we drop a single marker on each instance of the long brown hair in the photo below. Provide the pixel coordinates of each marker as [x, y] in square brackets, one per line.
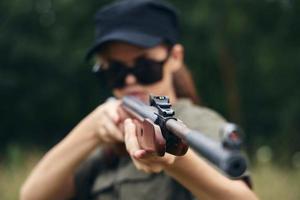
[184, 85]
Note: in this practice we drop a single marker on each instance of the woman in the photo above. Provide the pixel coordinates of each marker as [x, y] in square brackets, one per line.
[136, 47]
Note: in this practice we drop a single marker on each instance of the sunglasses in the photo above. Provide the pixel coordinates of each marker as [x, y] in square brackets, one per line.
[145, 70]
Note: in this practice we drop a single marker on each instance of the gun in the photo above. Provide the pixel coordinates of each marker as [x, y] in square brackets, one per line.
[158, 131]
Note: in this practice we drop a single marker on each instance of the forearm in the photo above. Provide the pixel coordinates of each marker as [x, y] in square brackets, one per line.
[53, 177]
[204, 181]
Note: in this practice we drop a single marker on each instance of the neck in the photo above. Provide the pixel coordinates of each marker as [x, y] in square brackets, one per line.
[172, 97]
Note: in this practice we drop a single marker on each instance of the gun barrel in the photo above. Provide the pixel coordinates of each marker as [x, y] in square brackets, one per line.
[231, 162]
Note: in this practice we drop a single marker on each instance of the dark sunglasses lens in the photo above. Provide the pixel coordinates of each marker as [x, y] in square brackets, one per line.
[115, 75]
[148, 71]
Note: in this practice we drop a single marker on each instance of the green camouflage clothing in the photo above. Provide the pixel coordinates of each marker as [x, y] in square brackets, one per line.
[118, 179]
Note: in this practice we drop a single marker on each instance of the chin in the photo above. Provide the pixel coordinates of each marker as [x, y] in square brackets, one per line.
[136, 92]
[141, 96]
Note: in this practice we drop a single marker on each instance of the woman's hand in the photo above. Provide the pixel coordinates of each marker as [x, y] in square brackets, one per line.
[143, 160]
[106, 121]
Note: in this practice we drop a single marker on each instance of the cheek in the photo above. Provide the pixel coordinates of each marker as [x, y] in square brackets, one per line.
[162, 87]
[155, 89]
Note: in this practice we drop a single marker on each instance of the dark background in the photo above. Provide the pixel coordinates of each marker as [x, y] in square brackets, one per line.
[244, 55]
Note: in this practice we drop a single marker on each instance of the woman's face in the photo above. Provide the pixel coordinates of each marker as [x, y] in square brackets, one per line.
[128, 54]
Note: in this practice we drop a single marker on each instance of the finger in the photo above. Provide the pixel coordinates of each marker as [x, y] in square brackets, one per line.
[131, 141]
[112, 110]
[140, 154]
[122, 113]
[148, 168]
[112, 114]
[153, 168]
[143, 154]
[151, 159]
[113, 130]
[157, 169]
[103, 130]
[104, 137]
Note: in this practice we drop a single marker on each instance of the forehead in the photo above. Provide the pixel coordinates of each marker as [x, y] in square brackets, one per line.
[126, 52]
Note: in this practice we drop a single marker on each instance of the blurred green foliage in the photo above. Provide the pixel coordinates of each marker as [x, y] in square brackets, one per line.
[244, 56]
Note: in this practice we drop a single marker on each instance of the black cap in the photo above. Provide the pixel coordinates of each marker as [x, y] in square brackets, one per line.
[145, 23]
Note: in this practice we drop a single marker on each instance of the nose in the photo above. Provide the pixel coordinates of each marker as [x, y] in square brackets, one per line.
[130, 79]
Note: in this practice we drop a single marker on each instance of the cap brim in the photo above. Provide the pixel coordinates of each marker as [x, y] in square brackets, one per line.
[134, 38]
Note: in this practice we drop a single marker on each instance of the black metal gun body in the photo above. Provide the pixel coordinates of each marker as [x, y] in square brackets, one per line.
[160, 132]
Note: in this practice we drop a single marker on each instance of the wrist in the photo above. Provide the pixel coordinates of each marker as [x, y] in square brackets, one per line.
[179, 162]
[88, 127]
